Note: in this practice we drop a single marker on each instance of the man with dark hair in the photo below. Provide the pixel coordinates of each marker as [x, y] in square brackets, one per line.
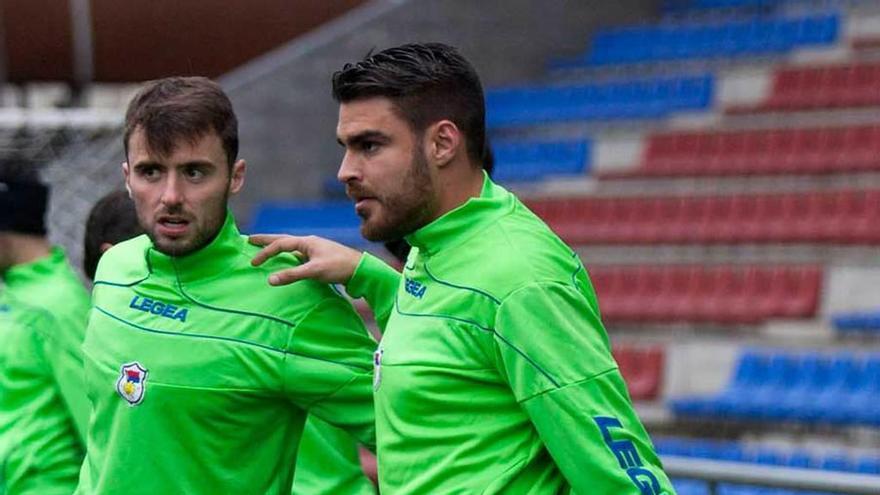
[494, 374]
[43, 313]
[200, 376]
[327, 461]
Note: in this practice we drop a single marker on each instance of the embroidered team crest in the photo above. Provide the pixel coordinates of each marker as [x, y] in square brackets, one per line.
[132, 383]
[377, 368]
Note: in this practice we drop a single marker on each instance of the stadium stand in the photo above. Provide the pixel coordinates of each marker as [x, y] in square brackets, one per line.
[859, 321]
[702, 40]
[820, 87]
[336, 221]
[631, 99]
[846, 216]
[722, 294]
[813, 387]
[642, 368]
[524, 161]
[814, 150]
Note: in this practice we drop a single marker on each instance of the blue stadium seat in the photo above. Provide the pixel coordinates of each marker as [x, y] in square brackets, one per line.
[333, 220]
[858, 321]
[806, 387]
[694, 40]
[628, 99]
[520, 161]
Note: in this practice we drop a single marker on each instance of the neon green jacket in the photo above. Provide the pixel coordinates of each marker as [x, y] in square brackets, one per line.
[43, 407]
[494, 374]
[201, 375]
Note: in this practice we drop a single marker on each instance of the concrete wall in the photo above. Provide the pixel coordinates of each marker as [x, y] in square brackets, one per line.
[288, 118]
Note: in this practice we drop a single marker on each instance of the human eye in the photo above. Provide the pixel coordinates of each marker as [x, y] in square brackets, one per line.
[370, 147]
[150, 173]
[194, 173]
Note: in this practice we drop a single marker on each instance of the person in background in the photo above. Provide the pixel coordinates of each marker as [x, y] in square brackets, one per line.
[43, 407]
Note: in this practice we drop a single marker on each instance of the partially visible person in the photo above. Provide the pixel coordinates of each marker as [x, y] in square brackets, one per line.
[327, 462]
[112, 220]
[43, 406]
[494, 374]
[200, 376]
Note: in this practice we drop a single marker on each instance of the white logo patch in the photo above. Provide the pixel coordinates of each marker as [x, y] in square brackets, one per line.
[377, 368]
[132, 383]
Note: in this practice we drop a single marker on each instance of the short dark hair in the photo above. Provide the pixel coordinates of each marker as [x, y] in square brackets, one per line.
[182, 108]
[426, 82]
[113, 219]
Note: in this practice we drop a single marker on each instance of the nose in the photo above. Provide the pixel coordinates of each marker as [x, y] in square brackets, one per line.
[172, 194]
[348, 169]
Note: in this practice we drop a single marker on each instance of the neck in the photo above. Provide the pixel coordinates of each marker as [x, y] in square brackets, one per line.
[457, 184]
[27, 249]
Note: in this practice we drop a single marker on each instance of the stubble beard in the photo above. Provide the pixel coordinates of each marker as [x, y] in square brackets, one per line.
[409, 209]
[201, 237]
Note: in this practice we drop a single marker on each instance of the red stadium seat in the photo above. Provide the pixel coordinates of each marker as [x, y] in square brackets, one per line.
[642, 369]
[728, 294]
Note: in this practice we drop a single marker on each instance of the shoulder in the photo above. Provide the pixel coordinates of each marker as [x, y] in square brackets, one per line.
[250, 285]
[125, 262]
[516, 251]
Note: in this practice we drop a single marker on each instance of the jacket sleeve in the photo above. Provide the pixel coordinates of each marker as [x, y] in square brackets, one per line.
[377, 283]
[552, 348]
[38, 447]
[65, 362]
[328, 369]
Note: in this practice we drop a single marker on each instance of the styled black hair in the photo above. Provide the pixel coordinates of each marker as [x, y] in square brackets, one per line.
[426, 82]
[113, 219]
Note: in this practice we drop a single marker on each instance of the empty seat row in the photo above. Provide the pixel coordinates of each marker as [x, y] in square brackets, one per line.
[761, 151]
[866, 464]
[812, 387]
[845, 216]
[725, 294]
[693, 40]
[808, 88]
[642, 369]
[858, 321]
[677, 6]
[533, 160]
[729, 450]
[631, 99]
[334, 220]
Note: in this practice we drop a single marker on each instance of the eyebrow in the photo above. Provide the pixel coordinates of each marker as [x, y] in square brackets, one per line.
[191, 163]
[363, 136]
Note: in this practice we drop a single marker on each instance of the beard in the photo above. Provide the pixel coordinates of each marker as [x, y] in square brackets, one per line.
[403, 210]
[201, 235]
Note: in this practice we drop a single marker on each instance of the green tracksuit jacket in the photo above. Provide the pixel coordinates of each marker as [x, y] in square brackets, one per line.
[494, 374]
[201, 375]
[43, 407]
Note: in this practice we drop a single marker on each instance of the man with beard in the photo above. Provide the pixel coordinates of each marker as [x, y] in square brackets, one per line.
[43, 411]
[200, 376]
[494, 373]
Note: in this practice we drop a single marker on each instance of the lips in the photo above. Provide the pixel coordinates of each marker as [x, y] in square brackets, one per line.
[172, 226]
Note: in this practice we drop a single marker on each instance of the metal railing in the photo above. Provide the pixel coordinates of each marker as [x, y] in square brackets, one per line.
[717, 472]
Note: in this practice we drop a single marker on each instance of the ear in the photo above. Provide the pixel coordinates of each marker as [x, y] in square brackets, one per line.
[126, 172]
[444, 141]
[104, 247]
[236, 181]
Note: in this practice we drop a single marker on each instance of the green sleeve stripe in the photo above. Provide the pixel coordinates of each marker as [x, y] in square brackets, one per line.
[485, 329]
[528, 359]
[195, 336]
[232, 311]
[115, 284]
[471, 289]
[225, 339]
